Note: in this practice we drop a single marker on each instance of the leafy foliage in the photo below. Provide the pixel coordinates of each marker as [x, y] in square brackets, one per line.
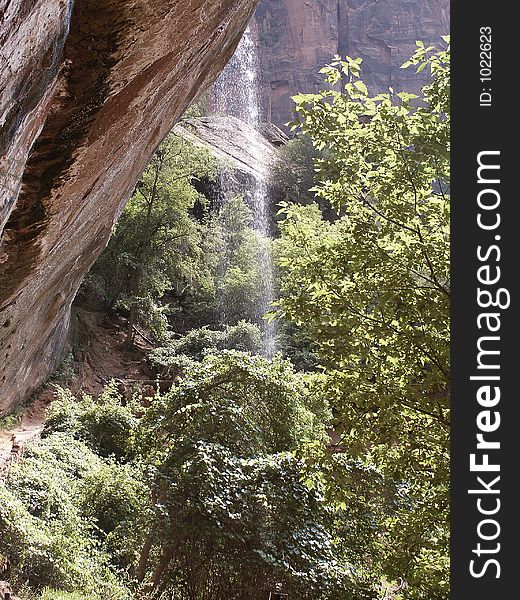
[372, 290]
[228, 494]
[169, 264]
[114, 497]
[245, 402]
[48, 538]
[49, 594]
[156, 244]
[172, 359]
[293, 173]
[207, 496]
[105, 425]
[236, 251]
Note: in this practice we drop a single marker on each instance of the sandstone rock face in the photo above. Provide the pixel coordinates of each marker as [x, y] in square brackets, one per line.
[236, 145]
[232, 141]
[87, 92]
[298, 37]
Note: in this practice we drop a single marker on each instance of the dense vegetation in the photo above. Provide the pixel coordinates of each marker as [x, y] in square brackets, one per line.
[372, 291]
[322, 472]
[198, 496]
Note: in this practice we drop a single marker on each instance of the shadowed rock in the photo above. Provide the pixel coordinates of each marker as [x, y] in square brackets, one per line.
[229, 139]
[87, 92]
[298, 37]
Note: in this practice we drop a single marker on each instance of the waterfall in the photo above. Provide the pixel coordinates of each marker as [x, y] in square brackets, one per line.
[237, 93]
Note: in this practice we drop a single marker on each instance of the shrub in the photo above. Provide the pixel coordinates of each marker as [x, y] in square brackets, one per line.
[42, 529]
[181, 354]
[244, 336]
[49, 594]
[111, 495]
[230, 496]
[197, 342]
[116, 500]
[106, 425]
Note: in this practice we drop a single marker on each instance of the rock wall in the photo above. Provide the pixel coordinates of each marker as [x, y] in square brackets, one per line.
[87, 92]
[298, 37]
[229, 139]
[232, 141]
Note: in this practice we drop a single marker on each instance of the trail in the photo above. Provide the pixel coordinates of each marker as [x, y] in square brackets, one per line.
[101, 355]
[29, 428]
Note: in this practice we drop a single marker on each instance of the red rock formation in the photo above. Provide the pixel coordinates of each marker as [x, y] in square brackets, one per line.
[87, 92]
[298, 37]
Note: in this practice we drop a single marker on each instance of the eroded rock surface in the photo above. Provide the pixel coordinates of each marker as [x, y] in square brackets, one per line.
[87, 92]
[298, 37]
[233, 142]
[237, 146]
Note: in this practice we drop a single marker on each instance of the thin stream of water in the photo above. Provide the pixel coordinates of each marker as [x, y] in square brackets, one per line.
[237, 94]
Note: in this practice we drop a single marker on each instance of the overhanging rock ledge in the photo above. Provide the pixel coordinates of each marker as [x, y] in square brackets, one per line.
[87, 92]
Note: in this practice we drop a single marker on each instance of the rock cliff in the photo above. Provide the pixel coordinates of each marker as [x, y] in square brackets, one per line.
[298, 37]
[87, 92]
[236, 145]
[231, 140]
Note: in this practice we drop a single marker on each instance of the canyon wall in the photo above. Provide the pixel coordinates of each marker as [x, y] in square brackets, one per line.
[298, 37]
[87, 92]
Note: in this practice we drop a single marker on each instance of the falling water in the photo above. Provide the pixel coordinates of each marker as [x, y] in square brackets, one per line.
[237, 94]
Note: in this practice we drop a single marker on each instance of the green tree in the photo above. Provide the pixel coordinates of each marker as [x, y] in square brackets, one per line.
[293, 172]
[50, 539]
[372, 291]
[232, 516]
[238, 287]
[156, 244]
[171, 359]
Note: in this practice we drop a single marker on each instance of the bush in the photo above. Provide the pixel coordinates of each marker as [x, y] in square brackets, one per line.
[49, 541]
[115, 499]
[181, 354]
[49, 594]
[197, 342]
[293, 173]
[111, 495]
[105, 425]
[244, 336]
[242, 402]
[45, 480]
[211, 492]
[231, 499]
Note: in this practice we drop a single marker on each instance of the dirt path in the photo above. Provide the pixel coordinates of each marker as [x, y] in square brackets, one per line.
[101, 355]
[104, 354]
[29, 427]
